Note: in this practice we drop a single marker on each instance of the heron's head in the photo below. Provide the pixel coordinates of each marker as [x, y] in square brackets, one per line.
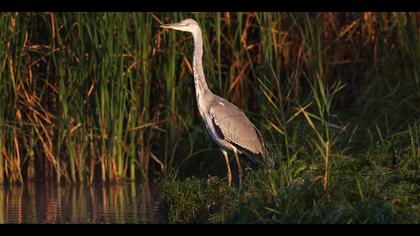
[188, 25]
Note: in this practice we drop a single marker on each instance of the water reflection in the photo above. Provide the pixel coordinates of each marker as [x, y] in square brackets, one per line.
[49, 203]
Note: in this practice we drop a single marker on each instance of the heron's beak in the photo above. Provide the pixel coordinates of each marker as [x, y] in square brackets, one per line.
[171, 26]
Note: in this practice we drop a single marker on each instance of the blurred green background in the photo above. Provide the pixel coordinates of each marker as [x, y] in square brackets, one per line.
[110, 96]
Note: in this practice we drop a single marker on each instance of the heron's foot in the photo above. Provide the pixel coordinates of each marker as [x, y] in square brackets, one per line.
[229, 180]
[240, 175]
[238, 162]
[229, 173]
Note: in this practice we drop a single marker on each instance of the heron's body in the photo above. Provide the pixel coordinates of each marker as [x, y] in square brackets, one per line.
[229, 133]
[227, 125]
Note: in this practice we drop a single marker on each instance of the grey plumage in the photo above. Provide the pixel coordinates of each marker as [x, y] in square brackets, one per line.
[235, 127]
[228, 126]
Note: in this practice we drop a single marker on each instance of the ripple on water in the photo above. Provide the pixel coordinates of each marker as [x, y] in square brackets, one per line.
[98, 203]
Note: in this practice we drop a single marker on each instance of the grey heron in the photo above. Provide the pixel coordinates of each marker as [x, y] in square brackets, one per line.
[227, 125]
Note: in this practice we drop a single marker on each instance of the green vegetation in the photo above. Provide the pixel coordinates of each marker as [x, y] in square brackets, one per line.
[109, 97]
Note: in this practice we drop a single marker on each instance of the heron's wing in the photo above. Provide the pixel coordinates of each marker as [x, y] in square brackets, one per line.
[236, 128]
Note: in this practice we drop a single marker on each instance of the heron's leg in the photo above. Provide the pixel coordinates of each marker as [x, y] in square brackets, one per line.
[239, 166]
[229, 174]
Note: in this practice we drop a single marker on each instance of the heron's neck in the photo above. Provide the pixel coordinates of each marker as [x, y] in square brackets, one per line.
[199, 79]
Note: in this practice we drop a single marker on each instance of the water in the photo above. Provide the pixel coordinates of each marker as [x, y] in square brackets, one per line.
[49, 203]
